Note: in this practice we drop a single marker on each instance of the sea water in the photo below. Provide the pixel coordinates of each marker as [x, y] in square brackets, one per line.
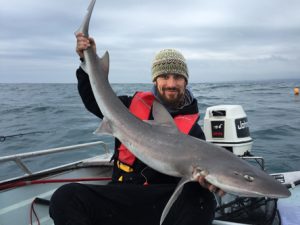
[53, 115]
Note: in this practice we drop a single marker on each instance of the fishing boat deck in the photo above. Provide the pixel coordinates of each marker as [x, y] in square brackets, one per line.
[25, 200]
[18, 194]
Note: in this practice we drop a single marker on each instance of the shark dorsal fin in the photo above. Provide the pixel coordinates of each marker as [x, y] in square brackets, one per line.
[162, 117]
[103, 63]
[104, 60]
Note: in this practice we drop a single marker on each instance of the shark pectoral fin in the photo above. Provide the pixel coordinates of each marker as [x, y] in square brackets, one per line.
[162, 117]
[173, 198]
[104, 128]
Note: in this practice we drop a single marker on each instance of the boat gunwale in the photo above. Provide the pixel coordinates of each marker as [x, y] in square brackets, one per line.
[96, 161]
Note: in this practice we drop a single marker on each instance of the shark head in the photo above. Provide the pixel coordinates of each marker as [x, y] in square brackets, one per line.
[248, 182]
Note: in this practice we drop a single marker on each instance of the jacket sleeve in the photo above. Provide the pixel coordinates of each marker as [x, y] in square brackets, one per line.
[87, 95]
[197, 132]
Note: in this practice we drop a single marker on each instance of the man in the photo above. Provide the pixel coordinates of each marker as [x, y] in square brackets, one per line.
[138, 193]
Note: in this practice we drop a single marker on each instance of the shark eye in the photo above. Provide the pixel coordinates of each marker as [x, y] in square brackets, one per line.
[248, 178]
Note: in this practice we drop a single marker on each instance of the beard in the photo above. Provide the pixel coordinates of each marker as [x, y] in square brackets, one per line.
[174, 102]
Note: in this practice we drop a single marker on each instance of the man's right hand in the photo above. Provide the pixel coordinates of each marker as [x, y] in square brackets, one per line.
[84, 43]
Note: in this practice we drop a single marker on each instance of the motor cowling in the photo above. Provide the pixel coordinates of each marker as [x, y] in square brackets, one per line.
[227, 126]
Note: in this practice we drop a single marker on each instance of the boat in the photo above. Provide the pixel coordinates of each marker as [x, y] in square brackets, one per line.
[24, 199]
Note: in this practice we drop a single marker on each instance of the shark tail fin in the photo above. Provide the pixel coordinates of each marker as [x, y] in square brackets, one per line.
[84, 27]
[173, 198]
[104, 128]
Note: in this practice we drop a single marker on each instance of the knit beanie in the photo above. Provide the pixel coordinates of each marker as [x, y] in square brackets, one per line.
[169, 61]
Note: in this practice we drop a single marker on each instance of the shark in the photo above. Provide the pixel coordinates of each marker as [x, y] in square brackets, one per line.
[160, 145]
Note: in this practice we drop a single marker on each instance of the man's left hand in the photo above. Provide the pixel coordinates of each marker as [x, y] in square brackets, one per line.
[212, 188]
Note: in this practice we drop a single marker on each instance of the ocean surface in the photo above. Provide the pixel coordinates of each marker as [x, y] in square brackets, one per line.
[52, 115]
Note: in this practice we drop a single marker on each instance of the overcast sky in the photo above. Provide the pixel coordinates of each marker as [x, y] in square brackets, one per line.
[221, 40]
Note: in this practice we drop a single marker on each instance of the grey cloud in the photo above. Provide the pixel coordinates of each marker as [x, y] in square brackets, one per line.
[222, 39]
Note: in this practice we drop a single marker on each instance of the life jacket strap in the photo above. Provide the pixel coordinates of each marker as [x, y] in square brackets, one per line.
[124, 167]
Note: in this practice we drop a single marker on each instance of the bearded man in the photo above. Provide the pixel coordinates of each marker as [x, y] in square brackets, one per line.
[137, 193]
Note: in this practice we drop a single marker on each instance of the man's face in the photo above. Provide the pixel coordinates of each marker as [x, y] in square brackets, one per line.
[171, 88]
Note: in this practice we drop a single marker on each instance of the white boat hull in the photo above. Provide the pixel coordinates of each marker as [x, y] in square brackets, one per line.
[16, 197]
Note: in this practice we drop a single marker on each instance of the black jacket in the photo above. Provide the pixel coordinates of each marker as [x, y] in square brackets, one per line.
[142, 172]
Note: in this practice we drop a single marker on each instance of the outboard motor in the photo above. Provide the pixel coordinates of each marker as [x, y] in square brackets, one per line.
[227, 126]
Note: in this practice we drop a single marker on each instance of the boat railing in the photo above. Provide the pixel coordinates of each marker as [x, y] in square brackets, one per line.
[260, 160]
[18, 158]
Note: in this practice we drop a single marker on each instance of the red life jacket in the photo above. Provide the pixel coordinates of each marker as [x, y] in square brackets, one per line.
[141, 107]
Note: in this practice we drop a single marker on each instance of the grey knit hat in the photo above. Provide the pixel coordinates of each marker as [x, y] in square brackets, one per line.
[169, 61]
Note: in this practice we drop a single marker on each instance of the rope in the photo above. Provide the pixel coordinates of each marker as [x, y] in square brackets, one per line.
[67, 180]
[3, 138]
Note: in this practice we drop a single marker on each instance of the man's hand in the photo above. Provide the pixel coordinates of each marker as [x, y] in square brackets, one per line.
[210, 187]
[84, 43]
